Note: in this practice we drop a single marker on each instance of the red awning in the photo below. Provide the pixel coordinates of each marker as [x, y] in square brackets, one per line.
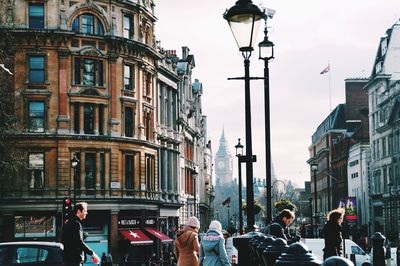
[159, 235]
[136, 236]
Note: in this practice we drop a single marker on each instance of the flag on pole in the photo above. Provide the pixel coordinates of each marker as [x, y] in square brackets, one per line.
[326, 70]
[227, 201]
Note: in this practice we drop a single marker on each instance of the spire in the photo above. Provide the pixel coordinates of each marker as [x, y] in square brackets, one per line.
[223, 149]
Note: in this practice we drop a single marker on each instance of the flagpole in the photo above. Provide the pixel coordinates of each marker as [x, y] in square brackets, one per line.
[329, 81]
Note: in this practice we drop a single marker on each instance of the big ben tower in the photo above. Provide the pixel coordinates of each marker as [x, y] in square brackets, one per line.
[223, 163]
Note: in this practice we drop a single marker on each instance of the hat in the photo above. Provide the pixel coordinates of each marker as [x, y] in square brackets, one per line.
[215, 225]
[193, 222]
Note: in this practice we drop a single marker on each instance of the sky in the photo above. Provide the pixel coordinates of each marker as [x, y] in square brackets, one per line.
[308, 35]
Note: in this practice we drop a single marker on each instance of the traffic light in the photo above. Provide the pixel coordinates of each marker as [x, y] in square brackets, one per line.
[67, 209]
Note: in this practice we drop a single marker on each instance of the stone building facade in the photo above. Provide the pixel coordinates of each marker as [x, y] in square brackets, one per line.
[91, 83]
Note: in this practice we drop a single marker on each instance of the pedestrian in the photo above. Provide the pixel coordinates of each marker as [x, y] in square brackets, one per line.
[187, 243]
[212, 247]
[103, 259]
[332, 232]
[109, 261]
[278, 227]
[72, 238]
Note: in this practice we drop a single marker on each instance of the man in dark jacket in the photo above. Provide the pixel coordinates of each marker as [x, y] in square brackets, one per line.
[332, 232]
[72, 238]
[278, 227]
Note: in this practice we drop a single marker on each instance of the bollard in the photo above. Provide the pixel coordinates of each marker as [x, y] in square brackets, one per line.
[241, 243]
[273, 251]
[338, 261]
[264, 243]
[253, 243]
[378, 241]
[297, 254]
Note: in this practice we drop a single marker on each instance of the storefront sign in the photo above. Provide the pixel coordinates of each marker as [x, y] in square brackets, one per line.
[128, 222]
[115, 185]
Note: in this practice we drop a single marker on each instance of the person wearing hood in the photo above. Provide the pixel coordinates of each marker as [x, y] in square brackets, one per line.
[332, 232]
[278, 227]
[212, 249]
[187, 243]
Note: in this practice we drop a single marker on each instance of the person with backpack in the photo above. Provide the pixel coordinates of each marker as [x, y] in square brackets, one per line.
[212, 248]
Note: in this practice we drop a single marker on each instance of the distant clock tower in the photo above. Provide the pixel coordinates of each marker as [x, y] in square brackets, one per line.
[223, 163]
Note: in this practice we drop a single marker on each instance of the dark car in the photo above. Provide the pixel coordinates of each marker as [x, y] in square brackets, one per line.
[31, 253]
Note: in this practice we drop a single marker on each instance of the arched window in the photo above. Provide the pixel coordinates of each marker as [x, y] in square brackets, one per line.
[87, 24]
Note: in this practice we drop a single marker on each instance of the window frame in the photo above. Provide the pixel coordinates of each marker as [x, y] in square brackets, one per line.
[32, 69]
[79, 63]
[90, 157]
[32, 169]
[96, 28]
[33, 19]
[131, 79]
[30, 118]
[128, 129]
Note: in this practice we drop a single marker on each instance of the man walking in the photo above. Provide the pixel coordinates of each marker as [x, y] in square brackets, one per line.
[72, 238]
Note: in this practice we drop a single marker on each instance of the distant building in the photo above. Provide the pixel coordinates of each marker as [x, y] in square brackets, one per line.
[223, 162]
[384, 113]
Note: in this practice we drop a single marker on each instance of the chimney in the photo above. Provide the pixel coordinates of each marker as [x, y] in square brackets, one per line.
[185, 52]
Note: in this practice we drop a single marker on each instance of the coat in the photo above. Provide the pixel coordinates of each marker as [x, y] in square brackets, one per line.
[332, 232]
[212, 249]
[187, 247]
[72, 239]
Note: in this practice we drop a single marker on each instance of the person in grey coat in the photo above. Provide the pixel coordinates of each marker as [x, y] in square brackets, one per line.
[212, 247]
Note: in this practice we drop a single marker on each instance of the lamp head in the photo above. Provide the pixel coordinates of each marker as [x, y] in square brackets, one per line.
[74, 161]
[244, 20]
[239, 149]
[314, 166]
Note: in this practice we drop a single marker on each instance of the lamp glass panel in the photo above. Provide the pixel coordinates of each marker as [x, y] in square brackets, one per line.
[266, 52]
[243, 31]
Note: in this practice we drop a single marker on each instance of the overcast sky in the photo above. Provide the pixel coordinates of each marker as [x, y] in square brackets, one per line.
[307, 35]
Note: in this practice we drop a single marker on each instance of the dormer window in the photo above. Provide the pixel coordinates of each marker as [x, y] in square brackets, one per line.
[87, 24]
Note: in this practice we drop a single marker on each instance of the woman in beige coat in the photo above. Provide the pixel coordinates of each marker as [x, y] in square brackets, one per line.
[187, 243]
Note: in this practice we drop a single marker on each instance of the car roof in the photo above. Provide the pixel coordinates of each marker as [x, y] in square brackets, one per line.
[32, 243]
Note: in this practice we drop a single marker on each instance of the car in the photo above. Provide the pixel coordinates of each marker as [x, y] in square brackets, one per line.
[315, 245]
[31, 253]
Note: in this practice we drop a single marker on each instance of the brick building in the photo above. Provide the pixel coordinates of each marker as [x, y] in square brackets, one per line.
[91, 83]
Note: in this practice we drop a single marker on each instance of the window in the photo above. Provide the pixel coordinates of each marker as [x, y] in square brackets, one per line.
[102, 171]
[147, 125]
[90, 170]
[87, 24]
[129, 122]
[101, 119]
[127, 33]
[36, 170]
[36, 116]
[88, 71]
[35, 226]
[76, 118]
[148, 82]
[128, 77]
[129, 172]
[89, 118]
[36, 69]
[150, 172]
[36, 16]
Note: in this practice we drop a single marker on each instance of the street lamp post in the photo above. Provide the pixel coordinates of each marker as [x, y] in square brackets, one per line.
[244, 19]
[391, 235]
[314, 168]
[239, 154]
[194, 190]
[74, 165]
[266, 53]
[311, 218]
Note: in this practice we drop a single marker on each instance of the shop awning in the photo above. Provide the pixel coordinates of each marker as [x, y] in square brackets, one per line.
[163, 237]
[136, 236]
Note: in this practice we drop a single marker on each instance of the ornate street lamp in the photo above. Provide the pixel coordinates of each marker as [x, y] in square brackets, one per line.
[314, 168]
[241, 158]
[266, 53]
[74, 165]
[244, 19]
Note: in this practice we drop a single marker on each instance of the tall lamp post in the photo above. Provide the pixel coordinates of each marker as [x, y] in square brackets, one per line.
[314, 169]
[74, 165]
[195, 173]
[266, 53]
[391, 234]
[241, 158]
[244, 19]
